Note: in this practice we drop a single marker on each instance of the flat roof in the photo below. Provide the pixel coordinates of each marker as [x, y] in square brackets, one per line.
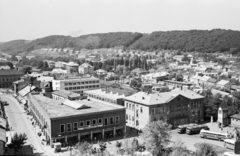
[55, 109]
[65, 93]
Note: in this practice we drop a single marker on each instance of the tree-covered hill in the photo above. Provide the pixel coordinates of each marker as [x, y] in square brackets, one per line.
[193, 40]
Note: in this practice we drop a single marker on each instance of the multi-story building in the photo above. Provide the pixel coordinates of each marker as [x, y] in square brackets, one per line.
[175, 107]
[86, 68]
[77, 84]
[8, 76]
[109, 95]
[64, 121]
[72, 67]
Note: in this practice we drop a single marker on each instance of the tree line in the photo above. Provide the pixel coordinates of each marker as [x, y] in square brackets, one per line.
[216, 40]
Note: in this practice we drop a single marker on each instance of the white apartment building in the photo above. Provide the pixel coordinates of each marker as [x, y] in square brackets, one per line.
[77, 85]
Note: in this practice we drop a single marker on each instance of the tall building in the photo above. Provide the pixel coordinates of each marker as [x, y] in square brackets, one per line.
[86, 68]
[8, 76]
[77, 84]
[176, 107]
[72, 67]
[64, 121]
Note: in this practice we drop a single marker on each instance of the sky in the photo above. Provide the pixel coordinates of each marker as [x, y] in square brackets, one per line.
[32, 19]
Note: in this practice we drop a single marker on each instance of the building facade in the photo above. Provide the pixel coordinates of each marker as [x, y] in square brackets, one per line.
[175, 108]
[72, 67]
[86, 68]
[76, 85]
[8, 76]
[76, 120]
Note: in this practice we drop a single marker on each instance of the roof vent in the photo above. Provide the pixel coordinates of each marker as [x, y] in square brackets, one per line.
[143, 98]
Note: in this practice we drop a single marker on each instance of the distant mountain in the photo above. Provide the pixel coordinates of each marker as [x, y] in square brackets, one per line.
[192, 40]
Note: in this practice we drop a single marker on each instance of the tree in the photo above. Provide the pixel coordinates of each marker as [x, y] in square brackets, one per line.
[206, 150]
[40, 64]
[136, 83]
[17, 142]
[164, 89]
[179, 77]
[156, 136]
[179, 149]
[26, 70]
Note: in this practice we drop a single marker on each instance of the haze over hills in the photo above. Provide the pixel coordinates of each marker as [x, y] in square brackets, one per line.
[216, 40]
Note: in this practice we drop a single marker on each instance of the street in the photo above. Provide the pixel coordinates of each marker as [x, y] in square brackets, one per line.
[19, 122]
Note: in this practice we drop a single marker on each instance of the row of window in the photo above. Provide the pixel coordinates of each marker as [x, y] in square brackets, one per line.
[132, 107]
[80, 83]
[81, 87]
[102, 98]
[10, 79]
[74, 127]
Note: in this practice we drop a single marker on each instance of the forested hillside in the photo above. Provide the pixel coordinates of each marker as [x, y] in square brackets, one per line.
[193, 40]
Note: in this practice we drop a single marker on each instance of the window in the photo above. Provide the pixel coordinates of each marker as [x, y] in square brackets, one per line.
[126, 116]
[105, 121]
[88, 123]
[70, 88]
[94, 122]
[78, 87]
[66, 84]
[141, 110]
[70, 84]
[116, 119]
[130, 106]
[74, 88]
[62, 128]
[74, 83]
[75, 126]
[153, 110]
[66, 88]
[111, 120]
[69, 127]
[99, 121]
[81, 123]
[132, 118]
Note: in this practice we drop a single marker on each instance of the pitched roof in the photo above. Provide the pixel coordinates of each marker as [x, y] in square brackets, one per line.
[85, 65]
[223, 82]
[161, 98]
[10, 72]
[74, 104]
[26, 90]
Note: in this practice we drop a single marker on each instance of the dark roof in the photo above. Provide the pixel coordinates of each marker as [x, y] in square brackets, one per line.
[10, 72]
[236, 116]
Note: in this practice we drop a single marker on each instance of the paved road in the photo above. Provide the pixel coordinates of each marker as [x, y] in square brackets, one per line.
[19, 123]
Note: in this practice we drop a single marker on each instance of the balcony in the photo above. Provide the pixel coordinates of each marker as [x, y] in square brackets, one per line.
[89, 126]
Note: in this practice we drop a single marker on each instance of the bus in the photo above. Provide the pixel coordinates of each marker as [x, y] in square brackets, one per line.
[182, 128]
[196, 129]
[214, 135]
[229, 143]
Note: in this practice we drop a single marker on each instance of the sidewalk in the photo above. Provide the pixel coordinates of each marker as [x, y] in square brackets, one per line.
[214, 127]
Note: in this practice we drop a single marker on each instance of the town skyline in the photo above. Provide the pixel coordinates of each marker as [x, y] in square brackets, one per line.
[36, 19]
